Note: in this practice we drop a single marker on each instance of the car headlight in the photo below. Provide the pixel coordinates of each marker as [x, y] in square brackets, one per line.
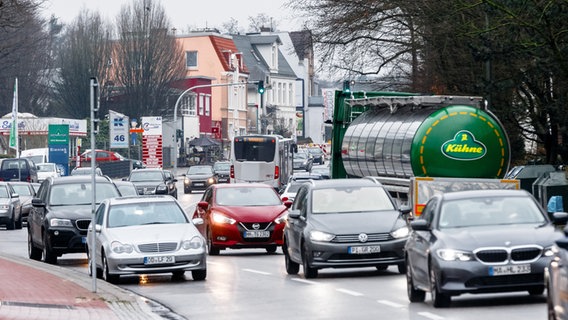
[222, 219]
[211, 180]
[549, 252]
[55, 222]
[118, 247]
[400, 233]
[454, 255]
[194, 243]
[4, 207]
[282, 218]
[186, 181]
[161, 187]
[321, 236]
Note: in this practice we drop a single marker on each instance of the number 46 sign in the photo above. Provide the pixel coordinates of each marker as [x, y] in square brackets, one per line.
[119, 130]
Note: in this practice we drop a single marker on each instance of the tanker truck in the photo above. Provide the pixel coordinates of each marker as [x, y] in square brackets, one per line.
[419, 145]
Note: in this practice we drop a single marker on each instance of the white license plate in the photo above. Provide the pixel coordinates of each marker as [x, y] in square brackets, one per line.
[509, 269]
[199, 184]
[364, 250]
[159, 260]
[257, 234]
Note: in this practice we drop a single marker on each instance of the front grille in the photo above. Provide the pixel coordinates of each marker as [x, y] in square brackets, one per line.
[505, 255]
[82, 225]
[157, 247]
[371, 237]
[261, 225]
[505, 280]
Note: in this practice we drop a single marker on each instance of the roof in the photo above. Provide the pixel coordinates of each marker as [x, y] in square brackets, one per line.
[222, 46]
[80, 178]
[485, 193]
[342, 183]
[241, 185]
[137, 199]
[302, 41]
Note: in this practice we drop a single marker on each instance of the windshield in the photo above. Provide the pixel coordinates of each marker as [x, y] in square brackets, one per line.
[200, 170]
[22, 190]
[46, 167]
[301, 155]
[80, 193]
[36, 159]
[293, 187]
[350, 199]
[222, 166]
[247, 196]
[254, 148]
[3, 192]
[127, 190]
[145, 213]
[315, 151]
[136, 176]
[490, 211]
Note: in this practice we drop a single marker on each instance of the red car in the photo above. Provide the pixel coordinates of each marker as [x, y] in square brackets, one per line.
[101, 156]
[242, 215]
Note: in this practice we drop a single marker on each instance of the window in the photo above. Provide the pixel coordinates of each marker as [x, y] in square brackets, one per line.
[201, 103]
[191, 59]
[188, 105]
[208, 105]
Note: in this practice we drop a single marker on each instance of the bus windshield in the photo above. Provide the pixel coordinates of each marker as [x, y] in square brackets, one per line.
[254, 149]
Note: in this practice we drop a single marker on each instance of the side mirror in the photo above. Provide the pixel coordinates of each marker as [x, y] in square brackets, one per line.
[294, 214]
[15, 195]
[288, 203]
[175, 180]
[98, 228]
[419, 225]
[124, 179]
[37, 202]
[197, 221]
[203, 205]
[560, 218]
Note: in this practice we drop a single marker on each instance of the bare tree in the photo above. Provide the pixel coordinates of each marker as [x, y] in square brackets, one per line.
[262, 21]
[85, 53]
[147, 58]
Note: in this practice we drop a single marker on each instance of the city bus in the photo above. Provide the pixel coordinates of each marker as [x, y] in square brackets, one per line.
[262, 158]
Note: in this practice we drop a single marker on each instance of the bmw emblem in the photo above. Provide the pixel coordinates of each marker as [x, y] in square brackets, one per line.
[256, 226]
[363, 237]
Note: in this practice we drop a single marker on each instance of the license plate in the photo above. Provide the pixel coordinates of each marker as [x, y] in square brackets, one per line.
[159, 260]
[223, 180]
[199, 184]
[364, 250]
[509, 269]
[257, 234]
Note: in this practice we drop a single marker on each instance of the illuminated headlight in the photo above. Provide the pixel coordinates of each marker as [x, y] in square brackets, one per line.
[4, 207]
[281, 219]
[118, 247]
[454, 255]
[222, 219]
[400, 233]
[194, 243]
[211, 180]
[305, 162]
[549, 252]
[186, 181]
[161, 187]
[321, 236]
[60, 222]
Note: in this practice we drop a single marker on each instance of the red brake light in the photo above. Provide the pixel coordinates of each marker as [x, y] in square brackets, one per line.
[276, 172]
[232, 171]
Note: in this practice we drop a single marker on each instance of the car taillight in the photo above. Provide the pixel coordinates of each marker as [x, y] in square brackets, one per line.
[276, 172]
[232, 172]
[29, 179]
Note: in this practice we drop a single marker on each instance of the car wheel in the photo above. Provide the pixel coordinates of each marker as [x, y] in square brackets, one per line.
[401, 268]
[178, 274]
[33, 252]
[271, 249]
[11, 225]
[199, 275]
[211, 249]
[110, 278]
[382, 267]
[98, 270]
[309, 272]
[414, 295]
[186, 191]
[48, 256]
[439, 299]
[19, 222]
[291, 266]
[536, 291]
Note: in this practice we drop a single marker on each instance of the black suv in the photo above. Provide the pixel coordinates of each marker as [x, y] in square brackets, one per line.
[21, 169]
[61, 213]
[153, 181]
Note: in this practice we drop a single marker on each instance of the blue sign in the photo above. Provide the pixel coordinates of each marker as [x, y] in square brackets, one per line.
[58, 146]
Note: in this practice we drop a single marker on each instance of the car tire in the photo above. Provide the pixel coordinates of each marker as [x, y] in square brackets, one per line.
[292, 267]
[199, 275]
[211, 249]
[98, 270]
[178, 274]
[11, 225]
[414, 295]
[19, 222]
[33, 252]
[536, 291]
[401, 267]
[439, 299]
[110, 278]
[309, 272]
[271, 249]
[382, 267]
[48, 256]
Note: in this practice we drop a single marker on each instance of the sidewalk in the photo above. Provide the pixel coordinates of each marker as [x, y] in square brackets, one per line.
[35, 290]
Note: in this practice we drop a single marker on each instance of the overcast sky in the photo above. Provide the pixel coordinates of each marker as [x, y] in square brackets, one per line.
[184, 13]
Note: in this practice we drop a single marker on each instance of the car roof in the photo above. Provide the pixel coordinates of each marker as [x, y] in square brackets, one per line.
[144, 199]
[484, 194]
[241, 185]
[148, 169]
[79, 178]
[351, 182]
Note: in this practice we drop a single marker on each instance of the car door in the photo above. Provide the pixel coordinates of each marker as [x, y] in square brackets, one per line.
[295, 226]
[419, 243]
[37, 214]
[204, 214]
[99, 220]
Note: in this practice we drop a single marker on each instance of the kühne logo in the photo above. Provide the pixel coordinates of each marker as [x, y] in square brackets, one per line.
[464, 147]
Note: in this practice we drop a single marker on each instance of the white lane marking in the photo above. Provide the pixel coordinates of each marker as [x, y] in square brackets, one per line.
[303, 281]
[353, 293]
[257, 271]
[430, 315]
[390, 303]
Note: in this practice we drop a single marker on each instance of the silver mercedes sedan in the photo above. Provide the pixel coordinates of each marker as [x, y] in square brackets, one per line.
[144, 235]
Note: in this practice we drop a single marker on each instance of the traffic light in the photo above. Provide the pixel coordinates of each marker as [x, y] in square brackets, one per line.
[346, 86]
[179, 134]
[260, 87]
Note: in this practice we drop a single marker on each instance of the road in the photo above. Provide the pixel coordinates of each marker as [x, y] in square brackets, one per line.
[251, 284]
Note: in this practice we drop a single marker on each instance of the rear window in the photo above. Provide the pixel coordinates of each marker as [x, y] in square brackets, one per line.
[14, 164]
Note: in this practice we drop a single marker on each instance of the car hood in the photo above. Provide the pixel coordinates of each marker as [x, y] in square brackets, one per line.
[152, 233]
[356, 222]
[5, 201]
[199, 176]
[252, 213]
[499, 235]
[71, 212]
[148, 184]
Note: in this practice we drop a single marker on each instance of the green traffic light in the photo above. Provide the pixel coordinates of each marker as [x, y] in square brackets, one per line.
[260, 86]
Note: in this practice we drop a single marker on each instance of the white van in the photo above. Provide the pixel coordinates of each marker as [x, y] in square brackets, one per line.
[37, 155]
